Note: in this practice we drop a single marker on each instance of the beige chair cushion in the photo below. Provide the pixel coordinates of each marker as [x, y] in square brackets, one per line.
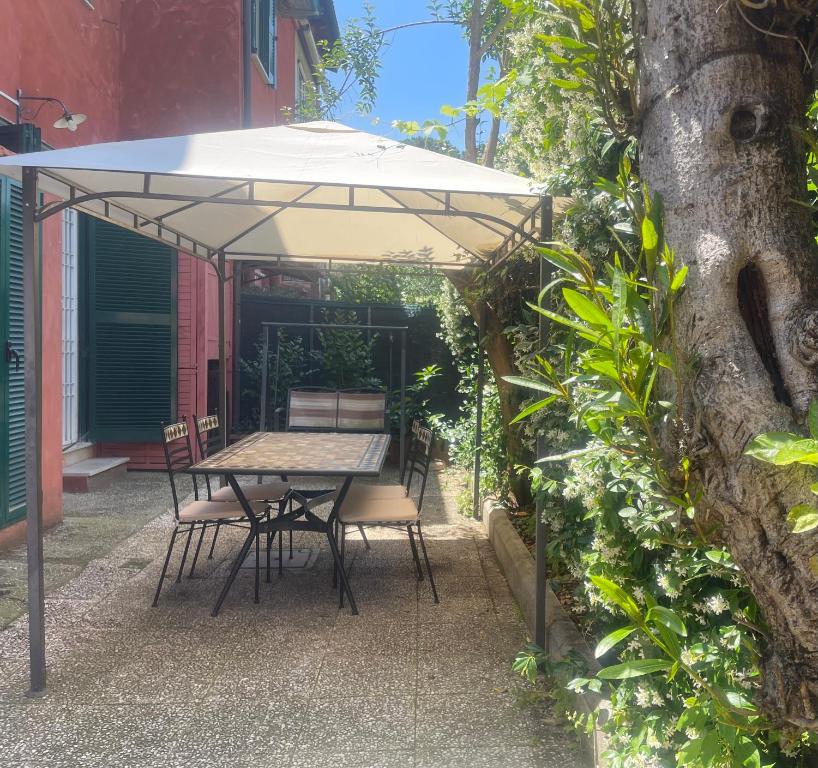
[370, 511]
[253, 491]
[361, 411]
[215, 510]
[313, 410]
[362, 491]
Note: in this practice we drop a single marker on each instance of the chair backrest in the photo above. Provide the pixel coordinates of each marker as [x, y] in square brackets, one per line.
[410, 453]
[178, 456]
[417, 463]
[312, 408]
[208, 439]
[362, 411]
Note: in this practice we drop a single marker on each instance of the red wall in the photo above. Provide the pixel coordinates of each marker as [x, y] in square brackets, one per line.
[269, 102]
[137, 68]
[73, 55]
[64, 49]
[181, 67]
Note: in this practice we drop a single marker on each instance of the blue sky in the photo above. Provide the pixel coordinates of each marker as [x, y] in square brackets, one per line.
[423, 68]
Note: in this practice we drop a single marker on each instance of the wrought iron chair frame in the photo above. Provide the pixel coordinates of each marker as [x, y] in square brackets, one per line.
[418, 462]
[208, 439]
[178, 459]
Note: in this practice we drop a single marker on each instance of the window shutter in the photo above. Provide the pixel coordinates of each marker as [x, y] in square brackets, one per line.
[271, 53]
[133, 334]
[12, 507]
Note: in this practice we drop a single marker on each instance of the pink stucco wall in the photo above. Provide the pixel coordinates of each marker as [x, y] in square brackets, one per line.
[138, 69]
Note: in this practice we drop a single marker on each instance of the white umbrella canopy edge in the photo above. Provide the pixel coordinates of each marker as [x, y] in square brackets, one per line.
[166, 188]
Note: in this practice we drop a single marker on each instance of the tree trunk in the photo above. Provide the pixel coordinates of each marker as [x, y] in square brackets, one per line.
[500, 356]
[473, 79]
[718, 104]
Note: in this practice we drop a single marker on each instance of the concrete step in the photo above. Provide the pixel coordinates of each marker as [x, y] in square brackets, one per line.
[93, 474]
[76, 453]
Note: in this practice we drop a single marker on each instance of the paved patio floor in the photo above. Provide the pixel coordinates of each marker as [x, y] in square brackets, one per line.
[291, 682]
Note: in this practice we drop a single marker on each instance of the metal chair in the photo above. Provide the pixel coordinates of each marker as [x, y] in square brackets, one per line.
[209, 440]
[204, 512]
[395, 509]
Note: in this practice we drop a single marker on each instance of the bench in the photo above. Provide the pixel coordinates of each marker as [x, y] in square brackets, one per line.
[318, 409]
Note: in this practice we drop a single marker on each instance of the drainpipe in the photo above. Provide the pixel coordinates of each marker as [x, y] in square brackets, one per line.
[246, 71]
[246, 122]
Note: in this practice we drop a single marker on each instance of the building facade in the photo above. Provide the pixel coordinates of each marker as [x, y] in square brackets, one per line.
[130, 334]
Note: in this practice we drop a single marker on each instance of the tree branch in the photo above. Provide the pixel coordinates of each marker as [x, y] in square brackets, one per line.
[491, 38]
[421, 23]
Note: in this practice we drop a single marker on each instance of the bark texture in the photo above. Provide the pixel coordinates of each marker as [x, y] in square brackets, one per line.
[719, 103]
[500, 356]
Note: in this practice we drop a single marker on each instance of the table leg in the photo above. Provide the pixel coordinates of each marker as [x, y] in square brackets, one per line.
[332, 522]
[245, 549]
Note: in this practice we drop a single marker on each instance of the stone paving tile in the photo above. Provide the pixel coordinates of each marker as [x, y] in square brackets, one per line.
[463, 720]
[289, 682]
[368, 674]
[498, 757]
[377, 759]
[13, 679]
[359, 724]
[463, 671]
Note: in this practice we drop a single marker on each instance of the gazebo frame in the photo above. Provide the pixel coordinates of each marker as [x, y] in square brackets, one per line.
[534, 229]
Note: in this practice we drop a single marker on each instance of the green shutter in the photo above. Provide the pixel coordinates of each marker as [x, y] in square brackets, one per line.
[12, 384]
[271, 51]
[133, 334]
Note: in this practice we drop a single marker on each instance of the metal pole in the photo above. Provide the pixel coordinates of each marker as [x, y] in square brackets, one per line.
[222, 351]
[276, 375]
[32, 299]
[402, 398]
[247, 65]
[235, 403]
[540, 636]
[265, 362]
[478, 427]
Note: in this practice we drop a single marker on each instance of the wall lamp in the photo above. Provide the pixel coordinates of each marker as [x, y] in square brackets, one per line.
[68, 120]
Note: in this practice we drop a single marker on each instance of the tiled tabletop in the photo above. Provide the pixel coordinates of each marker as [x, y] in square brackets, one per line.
[300, 453]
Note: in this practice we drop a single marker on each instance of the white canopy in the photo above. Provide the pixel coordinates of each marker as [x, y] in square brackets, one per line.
[315, 191]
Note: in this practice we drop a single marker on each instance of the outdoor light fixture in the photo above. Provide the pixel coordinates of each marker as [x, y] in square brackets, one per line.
[68, 120]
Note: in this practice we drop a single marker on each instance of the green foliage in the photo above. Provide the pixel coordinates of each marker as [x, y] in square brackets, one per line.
[291, 368]
[417, 404]
[387, 284]
[681, 671]
[344, 357]
[356, 58]
[460, 335]
[784, 448]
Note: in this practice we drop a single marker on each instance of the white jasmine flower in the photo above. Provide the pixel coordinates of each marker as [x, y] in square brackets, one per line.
[716, 604]
[643, 696]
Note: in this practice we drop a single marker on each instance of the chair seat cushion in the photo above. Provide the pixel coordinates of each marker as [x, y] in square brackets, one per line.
[386, 491]
[203, 510]
[395, 510]
[272, 491]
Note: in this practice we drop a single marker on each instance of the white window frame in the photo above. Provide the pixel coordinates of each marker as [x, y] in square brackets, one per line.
[70, 328]
[266, 26]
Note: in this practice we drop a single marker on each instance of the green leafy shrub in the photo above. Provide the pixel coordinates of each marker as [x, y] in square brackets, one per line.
[679, 631]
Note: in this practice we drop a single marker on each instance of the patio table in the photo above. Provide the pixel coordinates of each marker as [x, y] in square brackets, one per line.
[299, 454]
